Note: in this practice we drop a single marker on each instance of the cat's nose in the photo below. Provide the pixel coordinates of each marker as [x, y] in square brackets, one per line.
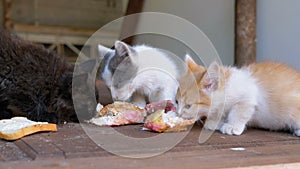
[117, 98]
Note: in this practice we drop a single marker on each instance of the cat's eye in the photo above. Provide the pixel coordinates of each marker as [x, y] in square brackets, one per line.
[187, 106]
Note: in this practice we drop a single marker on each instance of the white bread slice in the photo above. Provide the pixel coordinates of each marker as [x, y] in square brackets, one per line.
[18, 127]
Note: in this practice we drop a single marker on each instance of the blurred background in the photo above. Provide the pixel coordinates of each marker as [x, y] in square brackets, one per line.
[65, 25]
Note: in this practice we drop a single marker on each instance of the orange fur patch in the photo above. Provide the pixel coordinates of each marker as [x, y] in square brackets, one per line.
[282, 86]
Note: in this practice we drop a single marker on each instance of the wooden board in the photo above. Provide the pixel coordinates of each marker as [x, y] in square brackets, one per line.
[68, 13]
[71, 147]
[245, 32]
[9, 151]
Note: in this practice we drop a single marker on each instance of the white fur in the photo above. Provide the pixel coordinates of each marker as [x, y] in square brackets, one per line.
[297, 132]
[240, 94]
[263, 95]
[156, 79]
[106, 74]
[247, 103]
[273, 118]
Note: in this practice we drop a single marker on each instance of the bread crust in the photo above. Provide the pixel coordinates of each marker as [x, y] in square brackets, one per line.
[28, 130]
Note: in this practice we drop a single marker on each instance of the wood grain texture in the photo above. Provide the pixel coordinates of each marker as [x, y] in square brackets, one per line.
[9, 151]
[71, 147]
[7, 18]
[245, 30]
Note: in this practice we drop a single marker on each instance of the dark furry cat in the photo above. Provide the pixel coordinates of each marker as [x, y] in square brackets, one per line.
[36, 83]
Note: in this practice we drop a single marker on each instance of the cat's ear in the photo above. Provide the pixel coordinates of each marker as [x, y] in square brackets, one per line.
[103, 50]
[211, 79]
[123, 50]
[194, 68]
[192, 65]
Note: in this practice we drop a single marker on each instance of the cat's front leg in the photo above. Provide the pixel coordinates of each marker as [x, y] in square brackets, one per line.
[296, 129]
[138, 100]
[237, 119]
[212, 124]
[214, 120]
[297, 133]
[163, 94]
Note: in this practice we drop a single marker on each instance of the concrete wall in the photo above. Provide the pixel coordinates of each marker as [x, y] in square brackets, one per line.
[214, 17]
[278, 31]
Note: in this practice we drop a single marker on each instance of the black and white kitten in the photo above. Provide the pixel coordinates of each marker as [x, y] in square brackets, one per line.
[138, 74]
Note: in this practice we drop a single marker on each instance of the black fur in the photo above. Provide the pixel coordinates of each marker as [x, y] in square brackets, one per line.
[35, 82]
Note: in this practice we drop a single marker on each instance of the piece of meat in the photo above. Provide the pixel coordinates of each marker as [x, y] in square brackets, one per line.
[163, 118]
[161, 121]
[166, 105]
[119, 113]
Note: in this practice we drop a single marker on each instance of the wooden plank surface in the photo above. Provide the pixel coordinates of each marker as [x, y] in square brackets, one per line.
[37, 146]
[75, 143]
[71, 147]
[11, 152]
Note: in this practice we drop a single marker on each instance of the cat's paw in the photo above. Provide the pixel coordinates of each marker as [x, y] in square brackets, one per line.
[211, 125]
[297, 133]
[232, 129]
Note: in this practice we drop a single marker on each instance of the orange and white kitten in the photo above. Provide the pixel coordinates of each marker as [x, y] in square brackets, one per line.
[264, 95]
